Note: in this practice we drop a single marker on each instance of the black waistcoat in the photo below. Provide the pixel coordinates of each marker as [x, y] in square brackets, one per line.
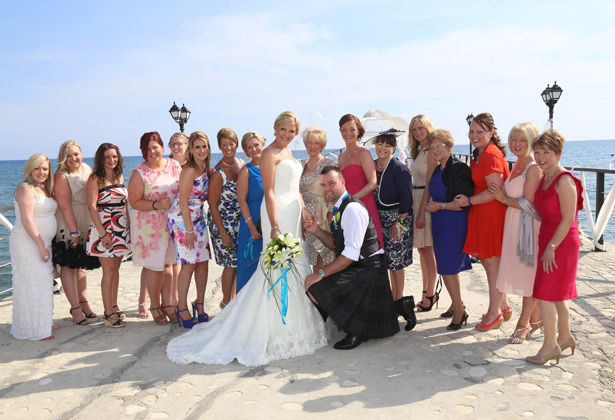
[370, 240]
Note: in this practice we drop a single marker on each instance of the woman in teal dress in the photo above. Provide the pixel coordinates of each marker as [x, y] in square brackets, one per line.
[250, 196]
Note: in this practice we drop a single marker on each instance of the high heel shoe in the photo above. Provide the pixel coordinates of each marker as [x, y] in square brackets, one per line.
[171, 315]
[91, 314]
[570, 343]
[186, 323]
[433, 300]
[117, 324]
[464, 321]
[450, 313]
[195, 313]
[538, 326]
[84, 321]
[507, 313]
[515, 338]
[161, 318]
[120, 314]
[496, 323]
[556, 352]
[418, 305]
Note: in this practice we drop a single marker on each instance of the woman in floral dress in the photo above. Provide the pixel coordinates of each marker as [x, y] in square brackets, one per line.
[151, 187]
[224, 211]
[189, 230]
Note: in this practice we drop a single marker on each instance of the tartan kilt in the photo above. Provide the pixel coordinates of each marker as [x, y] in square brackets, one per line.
[359, 299]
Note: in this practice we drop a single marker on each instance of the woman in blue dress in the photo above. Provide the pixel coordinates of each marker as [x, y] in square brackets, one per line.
[249, 196]
[449, 222]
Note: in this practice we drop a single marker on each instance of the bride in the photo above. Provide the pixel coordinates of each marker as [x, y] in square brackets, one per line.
[250, 328]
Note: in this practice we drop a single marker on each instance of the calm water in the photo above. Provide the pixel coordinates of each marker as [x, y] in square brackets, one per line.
[590, 154]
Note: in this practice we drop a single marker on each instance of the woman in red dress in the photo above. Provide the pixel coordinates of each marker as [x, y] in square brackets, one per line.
[358, 168]
[558, 200]
[486, 218]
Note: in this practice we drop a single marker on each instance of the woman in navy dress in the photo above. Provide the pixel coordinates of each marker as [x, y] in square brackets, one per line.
[250, 196]
[449, 223]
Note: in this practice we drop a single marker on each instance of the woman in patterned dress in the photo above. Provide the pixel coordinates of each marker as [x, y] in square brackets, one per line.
[109, 236]
[151, 187]
[315, 141]
[421, 168]
[224, 212]
[250, 197]
[73, 223]
[189, 230]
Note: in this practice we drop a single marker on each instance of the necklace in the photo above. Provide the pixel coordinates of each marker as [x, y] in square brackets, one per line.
[314, 166]
[380, 166]
[555, 172]
[227, 165]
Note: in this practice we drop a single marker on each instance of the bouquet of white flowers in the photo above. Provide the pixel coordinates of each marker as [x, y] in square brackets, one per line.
[279, 255]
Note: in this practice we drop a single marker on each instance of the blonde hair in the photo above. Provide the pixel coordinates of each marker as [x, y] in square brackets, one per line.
[412, 142]
[198, 135]
[34, 162]
[286, 117]
[63, 152]
[321, 136]
[441, 135]
[528, 130]
[227, 133]
[182, 136]
[249, 136]
[551, 140]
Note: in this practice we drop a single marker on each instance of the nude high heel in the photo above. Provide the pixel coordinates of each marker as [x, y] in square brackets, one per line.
[570, 343]
[556, 352]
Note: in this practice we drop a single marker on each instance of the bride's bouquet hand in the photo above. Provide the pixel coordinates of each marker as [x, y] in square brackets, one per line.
[275, 231]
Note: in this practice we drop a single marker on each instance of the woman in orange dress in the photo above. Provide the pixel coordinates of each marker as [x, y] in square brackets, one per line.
[486, 218]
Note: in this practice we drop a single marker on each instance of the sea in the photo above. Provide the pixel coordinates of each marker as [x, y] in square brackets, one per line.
[581, 154]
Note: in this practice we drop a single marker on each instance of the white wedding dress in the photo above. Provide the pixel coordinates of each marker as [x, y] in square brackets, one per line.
[250, 327]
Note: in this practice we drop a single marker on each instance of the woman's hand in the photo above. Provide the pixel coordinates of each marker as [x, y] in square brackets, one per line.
[190, 239]
[254, 232]
[433, 206]
[396, 232]
[227, 241]
[163, 204]
[420, 219]
[548, 260]
[461, 200]
[275, 232]
[74, 241]
[497, 192]
[107, 240]
[44, 253]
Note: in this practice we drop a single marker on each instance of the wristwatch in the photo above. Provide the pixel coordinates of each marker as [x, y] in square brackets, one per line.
[321, 273]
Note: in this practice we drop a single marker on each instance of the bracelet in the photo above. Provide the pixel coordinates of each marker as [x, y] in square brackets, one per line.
[223, 233]
[75, 234]
[552, 245]
[106, 233]
[443, 204]
[506, 201]
[248, 219]
[154, 204]
[425, 202]
[189, 231]
[469, 202]
[275, 227]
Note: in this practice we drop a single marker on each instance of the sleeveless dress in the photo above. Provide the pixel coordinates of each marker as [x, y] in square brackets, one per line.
[355, 180]
[230, 212]
[152, 246]
[32, 278]
[418, 168]
[486, 221]
[514, 276]
[63, 254]
[198, 197]
[316, 204]
[561, 283]
[249, 251]
[449, 229]
[250, 327]
[111, 205]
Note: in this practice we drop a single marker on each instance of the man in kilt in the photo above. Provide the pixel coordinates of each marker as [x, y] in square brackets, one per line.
[354, 289]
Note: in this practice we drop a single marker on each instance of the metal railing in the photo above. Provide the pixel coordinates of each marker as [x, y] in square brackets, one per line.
[4, 221]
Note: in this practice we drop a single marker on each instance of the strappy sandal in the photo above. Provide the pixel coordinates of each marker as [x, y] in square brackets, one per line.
[515, 338]
[84, 321]
[171, 316]
[117, 324]
[120, 314]
[161, 318]
[91, 314]
[195, 313]
[143, 312]
[534, 329]
[433, 300]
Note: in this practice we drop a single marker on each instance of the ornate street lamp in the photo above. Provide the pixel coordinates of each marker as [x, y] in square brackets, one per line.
[469, 119]
[550, 96]
[180, 116]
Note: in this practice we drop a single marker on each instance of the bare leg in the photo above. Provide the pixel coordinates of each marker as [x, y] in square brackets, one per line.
[228, 280]
[154, 280]
[549, 319]
[200, 279]
[109, 283]
[522, 328]
[82, 287]
[319, 264]
[174, 284]
[428, 271]
[397, 283]
[183, 285]
[451, 281]
[69, 283]
[563, 321]
[167, 292]
[143, 312]
[492, 265]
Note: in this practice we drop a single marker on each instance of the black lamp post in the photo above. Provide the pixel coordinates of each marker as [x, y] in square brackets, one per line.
[550, 96]
[180, 116]
[469, 119]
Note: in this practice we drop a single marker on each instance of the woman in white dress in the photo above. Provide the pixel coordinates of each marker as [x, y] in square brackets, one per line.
[250, 328]
[30, 243]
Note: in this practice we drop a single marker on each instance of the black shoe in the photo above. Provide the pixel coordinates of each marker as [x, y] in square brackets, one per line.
[349, 342]
[405, 307]
[448, 314]
[464, 320]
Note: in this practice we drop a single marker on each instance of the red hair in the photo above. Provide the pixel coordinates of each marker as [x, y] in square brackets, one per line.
[146, 138]
[350, 117]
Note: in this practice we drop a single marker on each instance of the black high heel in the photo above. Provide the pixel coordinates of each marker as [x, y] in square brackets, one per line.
[433, 300]
[464, 321]
[84, 321]
[449, 313]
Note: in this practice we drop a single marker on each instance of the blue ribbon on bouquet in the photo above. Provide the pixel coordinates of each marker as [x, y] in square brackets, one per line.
[249, 251]
[283, 291]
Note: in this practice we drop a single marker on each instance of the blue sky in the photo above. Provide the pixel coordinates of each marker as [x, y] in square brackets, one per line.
[110, 71]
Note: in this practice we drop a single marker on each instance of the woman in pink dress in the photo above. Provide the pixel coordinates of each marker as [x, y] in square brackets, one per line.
[152, 186]
[358, 168]
[518, 269]
[558, 200]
